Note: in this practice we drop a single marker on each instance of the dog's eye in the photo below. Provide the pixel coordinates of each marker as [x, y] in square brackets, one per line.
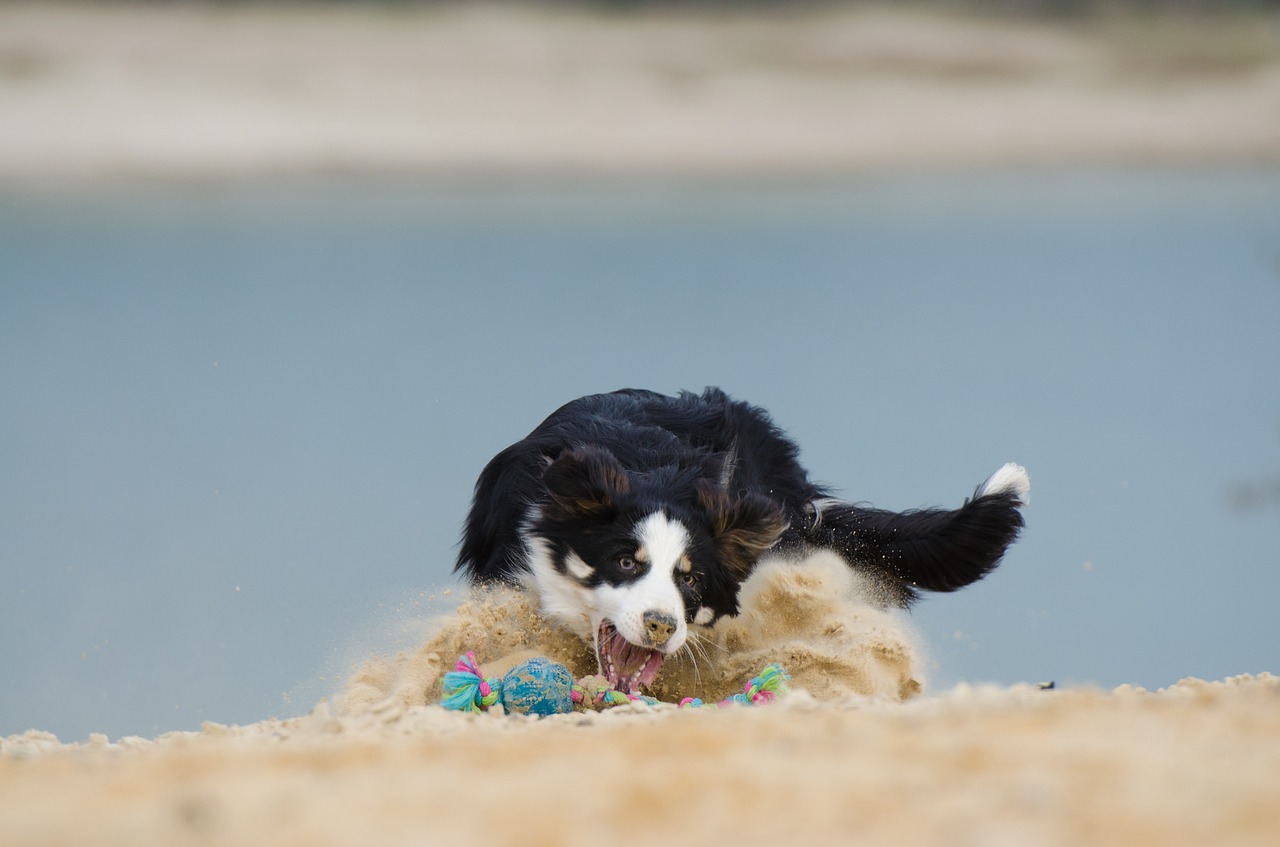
[627, 563]
[690, 580]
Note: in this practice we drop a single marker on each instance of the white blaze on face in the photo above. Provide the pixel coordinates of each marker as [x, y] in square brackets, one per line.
[662, 543]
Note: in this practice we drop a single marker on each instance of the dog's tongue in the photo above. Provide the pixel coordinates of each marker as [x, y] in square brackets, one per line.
[626, 665]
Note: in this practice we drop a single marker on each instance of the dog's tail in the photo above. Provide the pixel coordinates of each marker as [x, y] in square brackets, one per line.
[929, 549]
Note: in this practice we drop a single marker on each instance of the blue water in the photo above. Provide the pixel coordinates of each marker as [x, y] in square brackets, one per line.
[240, 422]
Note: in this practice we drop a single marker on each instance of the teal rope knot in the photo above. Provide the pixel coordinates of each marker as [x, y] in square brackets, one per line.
[466, 689]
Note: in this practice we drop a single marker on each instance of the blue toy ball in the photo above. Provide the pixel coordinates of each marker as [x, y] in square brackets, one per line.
[538, 687]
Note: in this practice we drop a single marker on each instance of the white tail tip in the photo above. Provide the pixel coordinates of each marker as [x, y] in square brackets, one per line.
[1010, 478]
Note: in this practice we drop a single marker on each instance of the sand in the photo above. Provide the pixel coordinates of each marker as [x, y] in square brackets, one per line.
[186, 90]
[1195, 764]
[859, 752]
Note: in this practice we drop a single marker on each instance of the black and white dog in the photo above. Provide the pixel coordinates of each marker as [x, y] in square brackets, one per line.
[635, 515]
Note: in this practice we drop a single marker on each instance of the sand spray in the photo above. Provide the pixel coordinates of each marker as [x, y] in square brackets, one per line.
[815, 616]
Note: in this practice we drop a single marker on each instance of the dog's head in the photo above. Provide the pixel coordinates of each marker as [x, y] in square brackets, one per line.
[632, 560]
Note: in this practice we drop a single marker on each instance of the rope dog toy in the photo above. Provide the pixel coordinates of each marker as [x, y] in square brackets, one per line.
[466, 689]
[544, 687]
[758, 691]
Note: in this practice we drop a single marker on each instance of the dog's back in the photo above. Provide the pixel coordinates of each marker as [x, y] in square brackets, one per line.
[735, 449]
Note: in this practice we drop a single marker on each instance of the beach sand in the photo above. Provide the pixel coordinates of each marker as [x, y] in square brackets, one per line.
[857, 753]
[205, 91]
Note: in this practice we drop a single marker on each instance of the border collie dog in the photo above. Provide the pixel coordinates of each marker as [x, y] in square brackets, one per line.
[635, 515]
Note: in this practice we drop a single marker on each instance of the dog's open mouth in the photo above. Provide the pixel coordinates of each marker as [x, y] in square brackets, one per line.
[626, 665]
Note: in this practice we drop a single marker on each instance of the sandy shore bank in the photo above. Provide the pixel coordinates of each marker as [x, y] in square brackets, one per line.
[189, 90]
[1198, 763]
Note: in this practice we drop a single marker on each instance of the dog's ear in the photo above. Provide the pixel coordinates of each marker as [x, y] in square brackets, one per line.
[742, 528]
[586, 481]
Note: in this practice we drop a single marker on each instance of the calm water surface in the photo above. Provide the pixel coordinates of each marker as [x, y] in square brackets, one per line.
[240, 423]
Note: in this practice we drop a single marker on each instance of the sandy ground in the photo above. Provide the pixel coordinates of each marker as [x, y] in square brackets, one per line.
[1195, 764]
[856, 754]
[191, 90]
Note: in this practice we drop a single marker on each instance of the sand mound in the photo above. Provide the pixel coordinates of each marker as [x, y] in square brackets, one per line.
[1197, 763]
[812, 617]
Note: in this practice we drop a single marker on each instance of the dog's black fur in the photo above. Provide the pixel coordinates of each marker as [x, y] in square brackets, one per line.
[570, 509]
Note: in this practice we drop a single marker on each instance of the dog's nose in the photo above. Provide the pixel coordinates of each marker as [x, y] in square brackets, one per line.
[658, 626]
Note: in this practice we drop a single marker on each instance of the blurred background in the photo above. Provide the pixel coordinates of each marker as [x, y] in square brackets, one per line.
[276, 280]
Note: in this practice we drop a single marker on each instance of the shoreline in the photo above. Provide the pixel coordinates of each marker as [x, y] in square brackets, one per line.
[194, 93]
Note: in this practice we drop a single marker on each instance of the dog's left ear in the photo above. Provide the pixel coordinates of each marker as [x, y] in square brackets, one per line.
[586, 481]
[742, 528]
